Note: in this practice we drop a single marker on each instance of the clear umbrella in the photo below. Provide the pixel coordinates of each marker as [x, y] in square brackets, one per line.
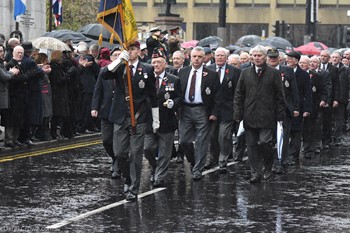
[50, 43]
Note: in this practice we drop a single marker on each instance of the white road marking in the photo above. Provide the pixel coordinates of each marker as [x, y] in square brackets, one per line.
[122, 202]
[99, 210]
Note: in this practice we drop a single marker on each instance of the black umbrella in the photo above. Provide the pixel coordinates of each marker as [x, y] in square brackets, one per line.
[105, 44]
[233, 48]
[94, 30]
[210, 40]
[248, 40]
[64, 35]
[279, 43]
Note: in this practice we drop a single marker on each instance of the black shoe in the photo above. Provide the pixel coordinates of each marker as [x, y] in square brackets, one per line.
[267, 175]
[326, 147]
[238, 159]
[158, 184]
[255, 179]
[197, 177]
[208, 166]
[223, 170]
[131, 196]
[17, 143]
[10, 145]
[279, 170]
[317, 151]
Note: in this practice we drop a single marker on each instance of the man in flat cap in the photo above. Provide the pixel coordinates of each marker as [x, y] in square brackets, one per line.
[292, 105]
[154, 41]
[305, 104]
[169, 100]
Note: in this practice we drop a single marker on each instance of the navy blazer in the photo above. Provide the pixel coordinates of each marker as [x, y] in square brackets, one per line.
[170, 88]
[210, 88]
[143, 89]
[227, 89]
[290, 88]
[103, 96]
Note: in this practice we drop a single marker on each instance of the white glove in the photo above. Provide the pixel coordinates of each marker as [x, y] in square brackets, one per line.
[170, 103]
[124, 56]
[155, 117]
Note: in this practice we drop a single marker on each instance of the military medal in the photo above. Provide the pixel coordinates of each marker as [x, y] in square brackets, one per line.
[145, 75]
[286, 84]
[229, 84]
[207, 91]
[141, 84]
[166, 88]
[313, 89]
[167, 95]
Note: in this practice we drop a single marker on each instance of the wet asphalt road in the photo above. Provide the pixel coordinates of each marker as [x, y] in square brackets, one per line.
[42, 191]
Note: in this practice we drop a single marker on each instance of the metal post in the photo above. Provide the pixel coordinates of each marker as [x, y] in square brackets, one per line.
[307, 36]
[50, 15]
[221, 30]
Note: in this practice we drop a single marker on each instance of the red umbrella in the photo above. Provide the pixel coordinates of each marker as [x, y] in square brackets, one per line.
[189, 44]
[311, 48]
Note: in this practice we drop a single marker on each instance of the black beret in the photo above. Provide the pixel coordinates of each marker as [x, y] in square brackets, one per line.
[27, 46]
[273, 53]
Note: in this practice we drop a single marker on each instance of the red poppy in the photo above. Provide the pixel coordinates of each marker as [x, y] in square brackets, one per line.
[226, 71]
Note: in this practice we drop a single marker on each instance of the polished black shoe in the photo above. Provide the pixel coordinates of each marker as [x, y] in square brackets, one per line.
[197, 177]
[255, 179]
[325, 147]
[317, 151]
[131, 196]
[267, 175]
[17, 143]
[158, 184]
[308, 155]
[223, 170]
[238, 159]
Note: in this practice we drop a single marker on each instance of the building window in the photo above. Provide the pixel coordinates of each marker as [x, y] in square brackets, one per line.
[336, 3]
[253, 3]
[291, 2]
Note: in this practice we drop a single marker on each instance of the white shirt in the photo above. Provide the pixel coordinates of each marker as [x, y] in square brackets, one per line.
[198, 91]
[135, 66]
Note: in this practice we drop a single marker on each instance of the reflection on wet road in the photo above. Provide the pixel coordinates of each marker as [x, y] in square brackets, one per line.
[42, 191]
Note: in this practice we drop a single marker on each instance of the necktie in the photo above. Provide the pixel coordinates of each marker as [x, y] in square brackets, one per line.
[192, 91]
[324, 67]
[157, 83]
[219, 72]
[259, 72]
[131, 71]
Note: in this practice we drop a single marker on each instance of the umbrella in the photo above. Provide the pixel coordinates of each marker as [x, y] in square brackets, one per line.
[50, 43]
[311, 48]
[210, 40]
[66, 35]
[240, 130]
[93, 31]
[105, 44]
[189, 44]
[279, 42]
[248, 40]
[279, 139]
[233, 48]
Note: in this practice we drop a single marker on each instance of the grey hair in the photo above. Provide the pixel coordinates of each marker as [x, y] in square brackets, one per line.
[259, 49]
[226, 51]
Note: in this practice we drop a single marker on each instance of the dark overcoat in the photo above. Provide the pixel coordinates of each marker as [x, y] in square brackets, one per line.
[259, 101]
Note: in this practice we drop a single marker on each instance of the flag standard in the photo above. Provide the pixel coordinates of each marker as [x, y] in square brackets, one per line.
[57, 11]
[117, 16]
